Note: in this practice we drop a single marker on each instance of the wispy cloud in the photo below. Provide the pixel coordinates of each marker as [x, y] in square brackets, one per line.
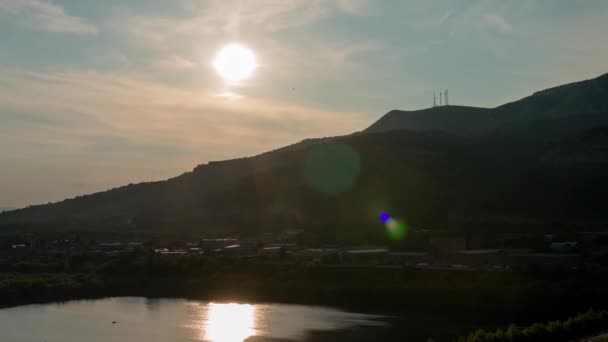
[46, 16]
[174, 62]
[151, 112]
[355, 7]
[105, 129]
[287, 62]
[233, 17]
[346, 54]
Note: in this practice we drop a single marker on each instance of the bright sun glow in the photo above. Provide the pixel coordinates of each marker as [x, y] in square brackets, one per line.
[229, 322]
[234, 63]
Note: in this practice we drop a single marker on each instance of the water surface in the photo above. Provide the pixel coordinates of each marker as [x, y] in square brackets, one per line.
[155, 320]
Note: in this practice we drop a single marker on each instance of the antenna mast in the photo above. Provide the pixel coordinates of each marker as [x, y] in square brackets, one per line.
[434, 100]
[446, 97]
[440, 98]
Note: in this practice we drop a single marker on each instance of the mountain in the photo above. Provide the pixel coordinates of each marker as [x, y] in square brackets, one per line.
[589, 147]
[557, 111]
[579, 98]
[454, 119]
[430, 174]
[6, 209]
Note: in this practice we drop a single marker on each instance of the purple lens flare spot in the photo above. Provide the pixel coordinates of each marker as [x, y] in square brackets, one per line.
[384, 217]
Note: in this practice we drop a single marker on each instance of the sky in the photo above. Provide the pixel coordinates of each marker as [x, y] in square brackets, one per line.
[98, 94]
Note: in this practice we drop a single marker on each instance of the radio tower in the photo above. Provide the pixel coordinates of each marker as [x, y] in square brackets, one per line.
[440, 98]
[446, 97]
[434, 100]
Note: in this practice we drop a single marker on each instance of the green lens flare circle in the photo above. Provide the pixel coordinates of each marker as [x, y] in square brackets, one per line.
[396, 229]
[332, 168]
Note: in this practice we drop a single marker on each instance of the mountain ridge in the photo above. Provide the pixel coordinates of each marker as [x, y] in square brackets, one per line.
[572, 99]
[428, 172]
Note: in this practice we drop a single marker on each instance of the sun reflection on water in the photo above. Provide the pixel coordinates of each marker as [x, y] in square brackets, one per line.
[229, 322]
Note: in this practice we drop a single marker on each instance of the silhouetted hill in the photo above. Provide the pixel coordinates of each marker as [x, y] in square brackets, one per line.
[456, 119]
[587, 147]
[334, 188]
[579, 98]
[552, 112]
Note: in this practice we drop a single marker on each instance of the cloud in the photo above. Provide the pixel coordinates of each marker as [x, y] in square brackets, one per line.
[148, 112]
[275, 15]
[174, 62]
[355, 7]
[180, 42]
[45, 16]
[345, 54]
[463, 20]
[108, 129]
[234, 17]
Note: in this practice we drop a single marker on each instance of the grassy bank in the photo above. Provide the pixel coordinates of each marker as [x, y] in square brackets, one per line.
[576, 327]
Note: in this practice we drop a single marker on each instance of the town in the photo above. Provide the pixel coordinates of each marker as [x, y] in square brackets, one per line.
[425, 249]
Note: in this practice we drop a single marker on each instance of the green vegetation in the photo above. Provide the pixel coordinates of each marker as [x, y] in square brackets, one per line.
[583, 324]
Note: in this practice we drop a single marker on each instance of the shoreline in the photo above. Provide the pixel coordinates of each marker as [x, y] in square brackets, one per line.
[457, 302]
[389, 324]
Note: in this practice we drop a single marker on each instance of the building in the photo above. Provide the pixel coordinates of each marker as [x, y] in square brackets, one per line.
[215, 244]
[536, 260]
[240, 250]
[319, 256]
[366, 256]
[599, 238]
[410, 259]
[274, 251]
[515, 259]
[564, 247]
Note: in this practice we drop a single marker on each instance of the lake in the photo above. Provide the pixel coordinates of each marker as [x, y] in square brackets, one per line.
[153, 320]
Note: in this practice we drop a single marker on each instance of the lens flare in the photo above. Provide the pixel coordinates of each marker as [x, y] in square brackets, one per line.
[332, 168]
[397, 229]
[384, 217]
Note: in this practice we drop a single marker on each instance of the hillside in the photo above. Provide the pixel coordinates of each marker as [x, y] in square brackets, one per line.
[334, 188]
[456, 119]
[579, 98]
[562, 110]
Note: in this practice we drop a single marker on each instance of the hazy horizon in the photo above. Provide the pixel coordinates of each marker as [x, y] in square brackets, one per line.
[96, 95]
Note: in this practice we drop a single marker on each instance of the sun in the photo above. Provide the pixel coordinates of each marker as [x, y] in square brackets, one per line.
[234, 63]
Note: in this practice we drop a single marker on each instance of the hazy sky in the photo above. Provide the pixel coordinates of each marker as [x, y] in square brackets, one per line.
[96, 94]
